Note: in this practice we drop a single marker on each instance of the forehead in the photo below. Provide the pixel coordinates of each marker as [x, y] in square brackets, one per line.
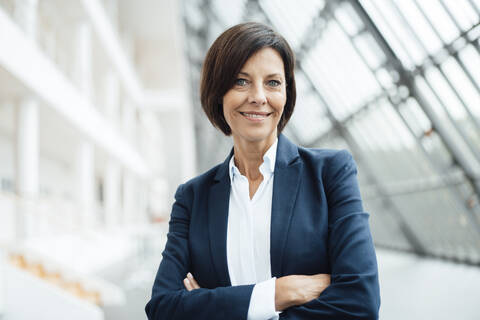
[264, 60]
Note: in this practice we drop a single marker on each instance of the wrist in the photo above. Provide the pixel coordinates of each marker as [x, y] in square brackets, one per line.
[285, 296]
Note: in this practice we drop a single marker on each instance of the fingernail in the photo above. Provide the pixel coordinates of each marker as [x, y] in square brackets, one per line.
[188, 281]
[189, 275]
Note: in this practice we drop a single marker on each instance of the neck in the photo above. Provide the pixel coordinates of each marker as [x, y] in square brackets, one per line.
[248, 156]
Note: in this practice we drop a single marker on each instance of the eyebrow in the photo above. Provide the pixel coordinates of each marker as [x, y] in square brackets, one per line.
[268, 76]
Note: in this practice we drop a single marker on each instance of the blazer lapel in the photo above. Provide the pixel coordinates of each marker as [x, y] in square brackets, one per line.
[218, 201]
[286, 183]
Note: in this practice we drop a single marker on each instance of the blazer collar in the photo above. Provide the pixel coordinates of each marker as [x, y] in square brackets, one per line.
[287, 152]
[285, 187]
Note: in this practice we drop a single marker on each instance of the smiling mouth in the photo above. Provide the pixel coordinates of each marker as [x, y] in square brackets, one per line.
[256, 115]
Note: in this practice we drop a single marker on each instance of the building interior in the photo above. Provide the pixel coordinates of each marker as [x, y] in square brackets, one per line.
[101, 121]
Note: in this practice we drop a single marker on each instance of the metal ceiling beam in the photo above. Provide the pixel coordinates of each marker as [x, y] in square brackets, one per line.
[396, 103]
[407, 79]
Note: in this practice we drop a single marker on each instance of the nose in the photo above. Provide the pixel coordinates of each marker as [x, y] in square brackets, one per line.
[257, 95]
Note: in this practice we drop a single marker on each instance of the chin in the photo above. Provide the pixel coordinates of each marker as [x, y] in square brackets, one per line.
[257, 136]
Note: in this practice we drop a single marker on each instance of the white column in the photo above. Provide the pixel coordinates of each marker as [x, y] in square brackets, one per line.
[25, 13]
[27, 147]
[111, 193]
[83, 58]
[129, 121]
[128, 197]
[27, 158]
[112, 97]
[85, 157]
[85, 182]
[112, 170]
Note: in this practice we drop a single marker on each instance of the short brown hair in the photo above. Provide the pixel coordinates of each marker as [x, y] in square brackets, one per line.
[225, 59]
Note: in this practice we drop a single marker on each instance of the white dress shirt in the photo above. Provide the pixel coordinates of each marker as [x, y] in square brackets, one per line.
[248, 237]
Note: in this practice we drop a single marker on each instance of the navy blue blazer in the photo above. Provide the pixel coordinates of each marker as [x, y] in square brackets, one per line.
[317, 226]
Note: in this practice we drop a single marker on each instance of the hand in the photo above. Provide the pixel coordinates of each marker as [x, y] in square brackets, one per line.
[295, 290]
[190, 283]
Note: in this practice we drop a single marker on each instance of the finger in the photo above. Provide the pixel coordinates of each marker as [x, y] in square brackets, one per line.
[187, 284]
[193, 281]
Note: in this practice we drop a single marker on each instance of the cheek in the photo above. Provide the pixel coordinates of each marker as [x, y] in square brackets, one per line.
[230, 102]
[278, 102]
[228, 107]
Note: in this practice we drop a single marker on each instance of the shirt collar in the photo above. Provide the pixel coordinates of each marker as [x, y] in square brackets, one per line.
[268, 165]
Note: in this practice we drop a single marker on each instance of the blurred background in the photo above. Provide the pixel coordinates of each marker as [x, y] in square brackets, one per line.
[100, 121]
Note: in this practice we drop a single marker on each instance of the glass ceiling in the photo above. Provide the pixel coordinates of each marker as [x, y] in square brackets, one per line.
[397, 83]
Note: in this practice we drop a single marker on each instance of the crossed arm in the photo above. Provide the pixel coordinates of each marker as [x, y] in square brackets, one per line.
[171, 300]
[293, 290]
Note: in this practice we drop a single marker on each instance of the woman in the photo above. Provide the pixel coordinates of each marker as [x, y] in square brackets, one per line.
[276, 230]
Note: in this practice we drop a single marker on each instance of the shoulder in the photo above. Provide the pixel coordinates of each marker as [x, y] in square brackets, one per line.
[197, 184]
[324, 155]
[326, 161]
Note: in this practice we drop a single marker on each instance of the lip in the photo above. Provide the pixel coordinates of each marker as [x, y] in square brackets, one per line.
[264, 114]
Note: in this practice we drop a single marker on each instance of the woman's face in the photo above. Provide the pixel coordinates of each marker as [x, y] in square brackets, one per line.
[254, 105]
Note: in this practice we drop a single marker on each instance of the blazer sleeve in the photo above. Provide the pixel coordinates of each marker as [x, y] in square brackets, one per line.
[354, 290]
[170, 300]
